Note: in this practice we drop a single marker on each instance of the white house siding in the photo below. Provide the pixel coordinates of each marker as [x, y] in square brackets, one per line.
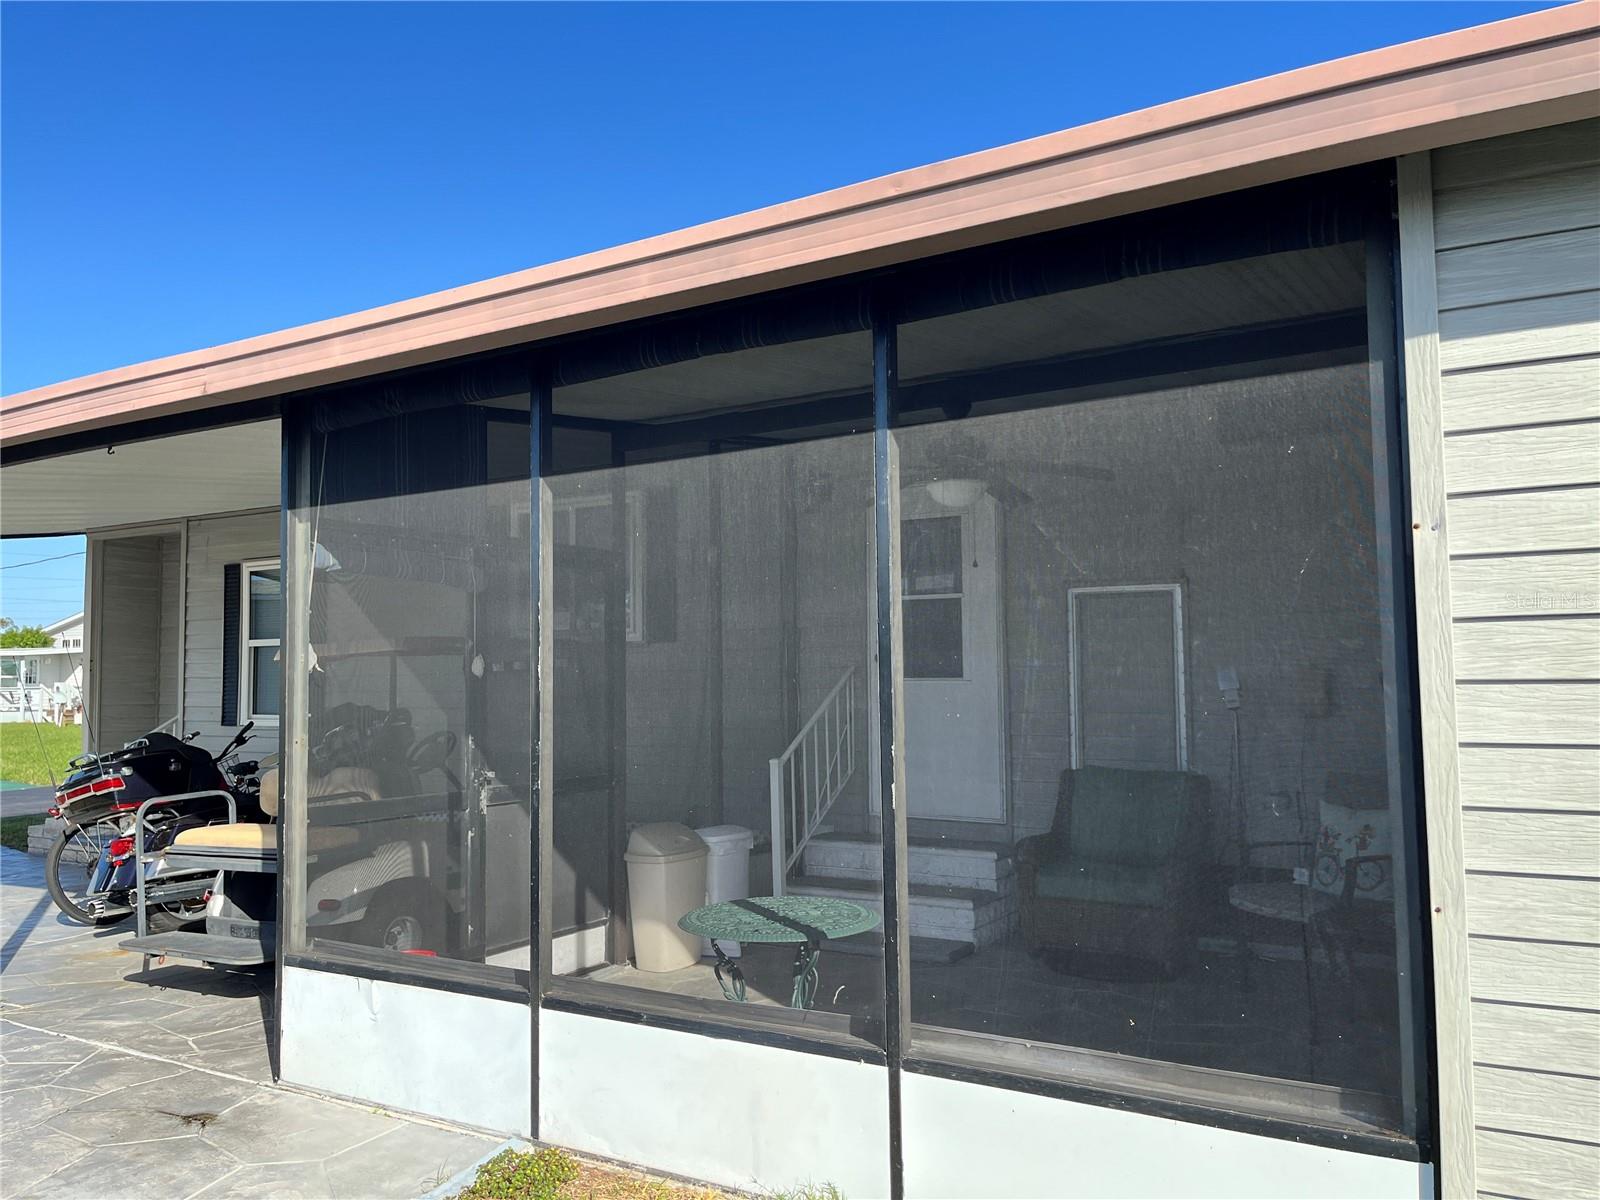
[214, 542]
[1517, 258]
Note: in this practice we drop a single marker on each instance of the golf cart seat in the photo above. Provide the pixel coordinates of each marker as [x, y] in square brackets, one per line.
[260, 838]
[257, 843]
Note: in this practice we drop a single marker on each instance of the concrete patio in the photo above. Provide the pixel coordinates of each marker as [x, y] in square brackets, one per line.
[116, 1082]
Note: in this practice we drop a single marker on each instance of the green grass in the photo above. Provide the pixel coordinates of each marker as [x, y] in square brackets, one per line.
[14, 830]
[29, 753]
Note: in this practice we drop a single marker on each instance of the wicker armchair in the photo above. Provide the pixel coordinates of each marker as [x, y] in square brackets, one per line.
[1120, 869]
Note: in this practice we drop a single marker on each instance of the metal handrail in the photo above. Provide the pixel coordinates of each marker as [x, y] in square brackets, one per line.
[825, 749]
[142, 922]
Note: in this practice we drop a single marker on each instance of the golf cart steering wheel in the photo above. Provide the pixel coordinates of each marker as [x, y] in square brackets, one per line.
[432, 753]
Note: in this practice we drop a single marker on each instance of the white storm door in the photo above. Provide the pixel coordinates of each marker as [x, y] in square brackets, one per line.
[953, 649]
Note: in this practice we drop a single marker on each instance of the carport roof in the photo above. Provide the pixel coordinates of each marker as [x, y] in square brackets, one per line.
[228, 469]
[1491, 79]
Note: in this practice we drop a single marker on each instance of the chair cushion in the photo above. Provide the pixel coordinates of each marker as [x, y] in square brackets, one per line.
[1120, 816]
[1102, 883]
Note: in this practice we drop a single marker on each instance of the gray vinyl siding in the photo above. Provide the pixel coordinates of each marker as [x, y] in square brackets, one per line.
[170, 676]
[214, 542]
[127, 658]
[1517, 256]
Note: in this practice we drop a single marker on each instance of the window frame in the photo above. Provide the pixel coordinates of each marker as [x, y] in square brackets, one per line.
[921, 1049]
[247, 644]
[1057, 1070]
[565, 511]
[1179, 675]
[911, 512]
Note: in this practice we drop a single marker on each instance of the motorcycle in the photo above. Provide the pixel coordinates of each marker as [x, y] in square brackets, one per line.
[91, 868]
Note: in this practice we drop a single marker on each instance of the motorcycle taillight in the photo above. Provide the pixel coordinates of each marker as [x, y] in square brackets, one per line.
[111, 783]
[120, 848]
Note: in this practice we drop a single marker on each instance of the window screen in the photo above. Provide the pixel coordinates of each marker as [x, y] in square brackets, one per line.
[419, 672]
[711, 572]
[1162, 778]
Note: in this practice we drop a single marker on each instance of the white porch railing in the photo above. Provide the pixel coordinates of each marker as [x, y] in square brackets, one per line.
[35, 702]
[808, 776]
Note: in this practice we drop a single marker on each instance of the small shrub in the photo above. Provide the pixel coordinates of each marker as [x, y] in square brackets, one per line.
[523, 1175]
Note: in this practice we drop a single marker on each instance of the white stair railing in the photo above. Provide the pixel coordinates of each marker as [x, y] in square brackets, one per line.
[807, 777]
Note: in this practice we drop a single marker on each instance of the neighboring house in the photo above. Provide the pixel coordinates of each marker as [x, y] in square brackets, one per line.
[45, 683]
[67, 633]
[1165, 551]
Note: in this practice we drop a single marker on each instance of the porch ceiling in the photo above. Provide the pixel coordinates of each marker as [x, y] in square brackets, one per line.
[189, 474]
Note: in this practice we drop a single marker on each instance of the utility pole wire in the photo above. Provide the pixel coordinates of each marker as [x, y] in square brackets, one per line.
[35, 562]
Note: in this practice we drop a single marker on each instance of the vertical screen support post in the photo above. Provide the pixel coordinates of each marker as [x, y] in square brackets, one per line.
[891, 718]
[541, 773]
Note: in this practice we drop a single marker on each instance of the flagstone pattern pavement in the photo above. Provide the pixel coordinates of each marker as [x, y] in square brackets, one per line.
[116, 1083]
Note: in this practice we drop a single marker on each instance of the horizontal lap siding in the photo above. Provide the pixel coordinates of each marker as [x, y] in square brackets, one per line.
[1517, 238]
[214, 543]
[1567, 389]
[127, 658]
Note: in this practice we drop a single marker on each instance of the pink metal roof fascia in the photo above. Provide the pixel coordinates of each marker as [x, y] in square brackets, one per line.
[1539, 69]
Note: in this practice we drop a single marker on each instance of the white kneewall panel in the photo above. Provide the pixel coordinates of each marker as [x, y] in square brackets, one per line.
[966, 1140]
[728, 1112]
[442, 1054]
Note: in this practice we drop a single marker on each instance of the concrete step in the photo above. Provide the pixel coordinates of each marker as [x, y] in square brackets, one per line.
[956, 914]
[943, 862]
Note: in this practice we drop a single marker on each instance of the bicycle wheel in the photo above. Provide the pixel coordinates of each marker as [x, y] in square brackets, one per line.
[69, 867]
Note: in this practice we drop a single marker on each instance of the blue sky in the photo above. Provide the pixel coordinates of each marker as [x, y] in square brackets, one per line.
[181, 175]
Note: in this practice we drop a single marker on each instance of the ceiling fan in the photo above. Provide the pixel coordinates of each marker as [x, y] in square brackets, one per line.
[959, 455]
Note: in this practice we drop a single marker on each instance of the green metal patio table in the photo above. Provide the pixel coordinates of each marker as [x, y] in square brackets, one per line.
[802, 921]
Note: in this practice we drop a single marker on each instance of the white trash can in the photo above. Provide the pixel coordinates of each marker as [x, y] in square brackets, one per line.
[727, 872]
[666, 879]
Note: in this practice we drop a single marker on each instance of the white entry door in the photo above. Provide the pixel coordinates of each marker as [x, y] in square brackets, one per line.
[954, 659]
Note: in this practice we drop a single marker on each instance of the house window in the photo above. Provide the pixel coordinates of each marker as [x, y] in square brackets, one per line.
[586, 521]
[930, 556]
[261, 639]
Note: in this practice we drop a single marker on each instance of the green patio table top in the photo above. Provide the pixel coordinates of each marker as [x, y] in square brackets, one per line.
[779, 919]
[802, 921]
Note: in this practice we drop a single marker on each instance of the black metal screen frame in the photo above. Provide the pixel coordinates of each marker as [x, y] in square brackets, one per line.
[1220, 356]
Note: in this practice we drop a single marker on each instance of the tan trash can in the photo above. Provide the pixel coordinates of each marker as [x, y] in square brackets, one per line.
[666, 879]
